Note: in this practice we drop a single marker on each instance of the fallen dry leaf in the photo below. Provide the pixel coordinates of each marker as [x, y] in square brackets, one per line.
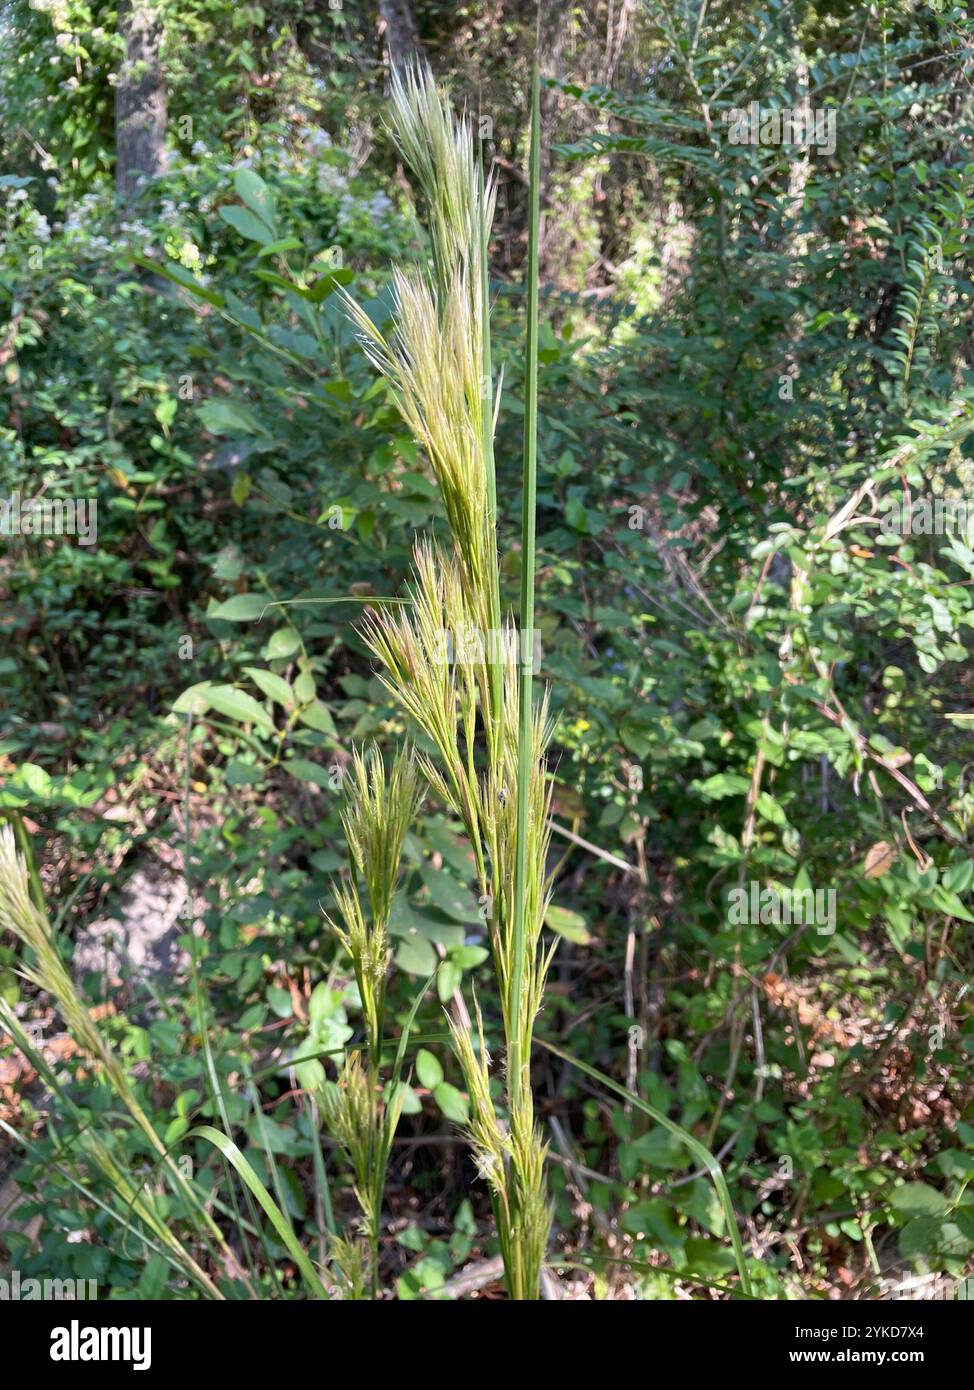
[880, 858]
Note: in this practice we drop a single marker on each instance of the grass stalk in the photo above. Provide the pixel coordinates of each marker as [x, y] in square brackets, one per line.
[487, 410]
[478, 710]
[519, 1059]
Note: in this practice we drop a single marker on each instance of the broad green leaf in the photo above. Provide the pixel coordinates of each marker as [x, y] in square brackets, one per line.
[769, 808]
[252, 190]
[304, 687]
[655, 1218]
[242, 608]
[245, 222]
[324, 1002]
[917, 1199]
[722, 784]
[568, 923]
[193, 700]
[428, 1069]
[416, 956]
[152, 1281]
[237, 704]
[708, 1256]
[179, 275]
[306, 771]
[277, 248]
[274, 687]
[34, 778]
[411, 1103]
[282, 643]
[951, 904]
[928, 1236]
[448, 979]
[468, 957]
[452, 1103]
[317, 716]
[450, 897]
[223, 416]
[280, 1001]
[959, 877]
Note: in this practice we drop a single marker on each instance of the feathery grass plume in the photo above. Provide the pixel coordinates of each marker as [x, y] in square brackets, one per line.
[479, 709]
[350, 1115]
[351, 1259]
[364, 1125]
[531, 1222]
[439, 150]
[441, 696]
[433, 362]
[511, 1163]
[379, 809]
[500, 814]
[21, 916]
[378, 812]
[437, 359]
[368, 946]
[490, 1144]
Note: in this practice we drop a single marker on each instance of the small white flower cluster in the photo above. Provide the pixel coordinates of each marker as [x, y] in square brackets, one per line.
[335, 182]
[137, 230]
[98, 244]
[170, 212]
[330, 179]
[375, 209]
[316, 138]
[83, 212]
[244, 162]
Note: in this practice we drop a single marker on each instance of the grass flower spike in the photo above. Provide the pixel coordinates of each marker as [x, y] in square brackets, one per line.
[379, 809]
[476, 709]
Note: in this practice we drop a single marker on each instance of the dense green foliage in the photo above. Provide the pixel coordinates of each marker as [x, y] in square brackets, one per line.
[748, 356]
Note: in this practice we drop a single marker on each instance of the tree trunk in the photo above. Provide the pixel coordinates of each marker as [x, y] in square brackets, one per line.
[555, 27]
[398, 26]
[140, 99]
